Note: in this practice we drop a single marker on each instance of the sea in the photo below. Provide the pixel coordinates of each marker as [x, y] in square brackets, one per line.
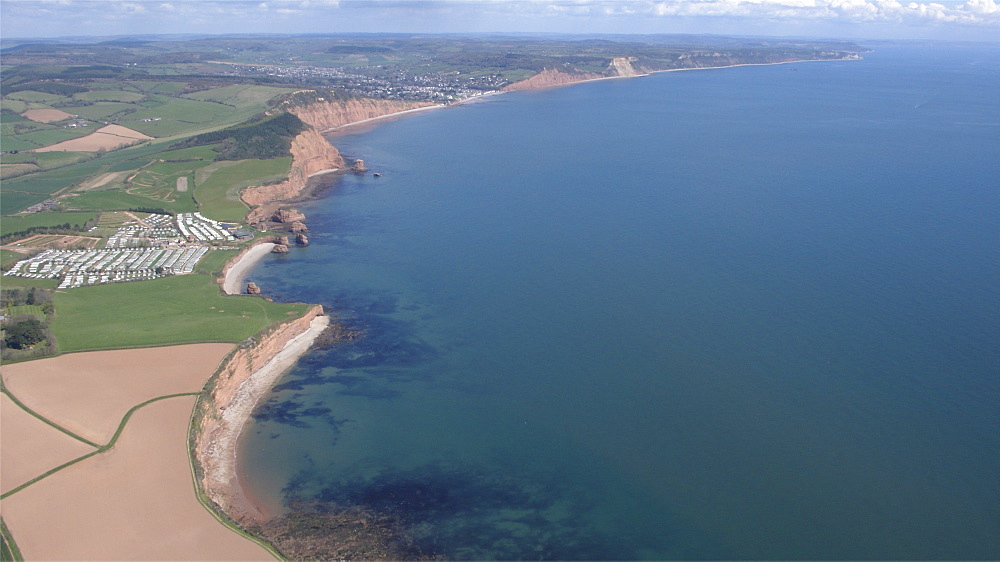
[739, 313]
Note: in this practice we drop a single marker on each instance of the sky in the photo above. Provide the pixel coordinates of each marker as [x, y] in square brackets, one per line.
[949, 20]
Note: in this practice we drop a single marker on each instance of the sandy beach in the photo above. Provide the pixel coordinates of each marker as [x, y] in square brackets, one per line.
[219, 459]
[236, 273]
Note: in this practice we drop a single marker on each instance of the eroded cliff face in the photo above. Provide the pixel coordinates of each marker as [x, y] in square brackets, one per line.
[622, 66]
[549, 78]
[311, 153]
[332, 114]
[223, 411]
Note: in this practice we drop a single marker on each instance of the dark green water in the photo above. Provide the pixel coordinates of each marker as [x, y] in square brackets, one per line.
[740, 313]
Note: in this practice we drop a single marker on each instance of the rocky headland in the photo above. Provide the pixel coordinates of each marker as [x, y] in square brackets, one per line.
[232, 393]
[311, 155]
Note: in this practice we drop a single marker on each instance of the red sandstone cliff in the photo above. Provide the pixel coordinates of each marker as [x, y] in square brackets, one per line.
[311, 153]
[221, 414]
[549, 78]
[331, 114]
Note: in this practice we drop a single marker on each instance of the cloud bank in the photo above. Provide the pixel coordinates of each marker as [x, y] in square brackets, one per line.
[91, 17]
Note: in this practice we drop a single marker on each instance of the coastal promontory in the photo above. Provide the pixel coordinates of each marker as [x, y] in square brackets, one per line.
[311, 154]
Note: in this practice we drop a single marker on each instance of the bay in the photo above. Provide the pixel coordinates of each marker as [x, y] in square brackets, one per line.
[737, 313]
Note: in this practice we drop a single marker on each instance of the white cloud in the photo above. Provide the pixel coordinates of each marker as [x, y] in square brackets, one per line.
[858, 11]
[955, 19]
[982, 7]
[132, 7]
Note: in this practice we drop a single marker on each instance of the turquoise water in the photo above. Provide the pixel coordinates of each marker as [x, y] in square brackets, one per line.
[739, 313]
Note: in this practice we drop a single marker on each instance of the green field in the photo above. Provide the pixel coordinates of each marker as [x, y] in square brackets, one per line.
[193, 153]
[52, 136]
[26, 310]
[240, 96]
[109, 95]
[173, 310]
[214, 261]
[179, 115]
[10, 128]
[25, 282]
[8, 258]
[46, 183]
[101, 111]
[17, 201]
[21, 192]
[33, 96]
[11, 117]
[159, 181]
[11, 143]
[218, 193]
[45, 160]
[14, 170]
[160, 87]
[19, 223]
[116, 219]
[120, 200]
[17, 106]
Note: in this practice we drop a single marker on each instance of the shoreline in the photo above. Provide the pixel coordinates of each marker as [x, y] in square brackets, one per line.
[222, 413]
[235, 272]
[238, 502]
[249, 395]
[645, 74]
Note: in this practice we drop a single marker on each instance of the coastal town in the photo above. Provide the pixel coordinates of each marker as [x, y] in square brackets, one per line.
[380, 82]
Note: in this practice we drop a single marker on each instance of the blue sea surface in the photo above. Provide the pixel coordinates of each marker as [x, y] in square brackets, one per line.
[737, 313]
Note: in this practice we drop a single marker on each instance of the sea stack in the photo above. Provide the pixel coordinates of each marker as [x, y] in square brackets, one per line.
[287, 215]
[302, 239]
[359, 167]
[279, 249]
[252, 288]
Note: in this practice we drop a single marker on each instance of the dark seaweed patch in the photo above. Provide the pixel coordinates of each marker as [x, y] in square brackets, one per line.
[467, 512]
[291, 412]
[385, 354]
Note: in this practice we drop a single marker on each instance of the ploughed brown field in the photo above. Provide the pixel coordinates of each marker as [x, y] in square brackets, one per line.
[46, 115]
[108, 137]
[134, 501]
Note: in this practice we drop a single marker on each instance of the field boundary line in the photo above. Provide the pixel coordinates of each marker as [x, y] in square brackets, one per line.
[100, 449]
[34, 414]
[9, 543]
